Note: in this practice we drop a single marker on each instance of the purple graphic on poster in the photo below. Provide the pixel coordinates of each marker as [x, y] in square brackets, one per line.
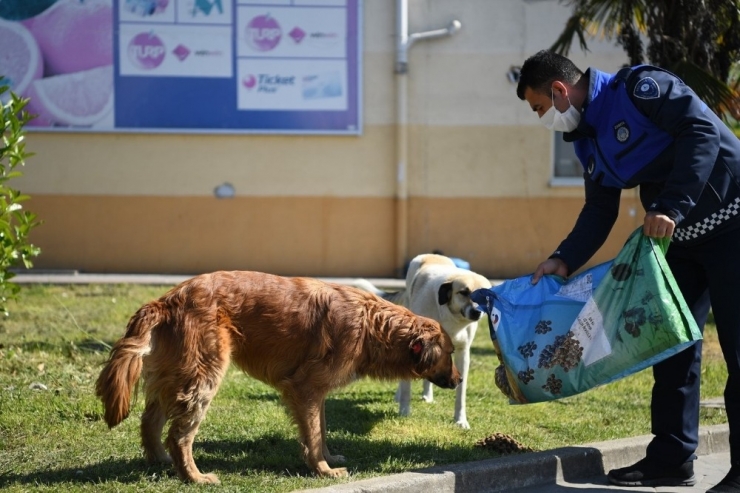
[241, 66]
[223, 66]
[263, 33]
[146, 51]
[60, 56]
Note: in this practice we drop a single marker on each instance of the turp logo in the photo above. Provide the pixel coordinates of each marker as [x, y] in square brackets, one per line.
[263, 33]
[146, 51]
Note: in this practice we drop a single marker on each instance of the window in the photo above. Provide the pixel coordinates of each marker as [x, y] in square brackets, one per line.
[567, 169]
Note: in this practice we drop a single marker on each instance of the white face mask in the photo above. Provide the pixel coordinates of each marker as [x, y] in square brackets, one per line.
[561, 122]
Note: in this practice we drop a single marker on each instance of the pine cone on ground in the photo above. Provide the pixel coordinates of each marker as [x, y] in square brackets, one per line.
[503, 444]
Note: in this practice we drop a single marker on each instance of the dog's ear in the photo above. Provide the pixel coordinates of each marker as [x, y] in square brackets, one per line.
[417, 348]
[444, 295]
[424, 353]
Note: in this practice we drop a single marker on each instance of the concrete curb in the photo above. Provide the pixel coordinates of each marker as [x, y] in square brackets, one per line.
[525, 470]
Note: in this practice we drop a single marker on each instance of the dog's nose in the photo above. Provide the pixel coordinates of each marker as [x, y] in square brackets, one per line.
[452, 383]
[447, 383]
[470, 312]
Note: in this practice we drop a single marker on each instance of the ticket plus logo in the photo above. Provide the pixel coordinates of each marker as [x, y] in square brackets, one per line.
[263, 33]
[249, 82]
[146, 51]
[267, 82]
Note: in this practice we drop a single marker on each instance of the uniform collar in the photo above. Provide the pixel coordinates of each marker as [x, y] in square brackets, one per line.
[597, 82]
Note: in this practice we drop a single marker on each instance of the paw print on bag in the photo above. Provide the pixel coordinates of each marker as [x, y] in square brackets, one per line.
[543, 327]
[527, 350]
[566, 351]
[621, 272]
[554, 385]
[569, 353]
[633, 319]
[526, 376]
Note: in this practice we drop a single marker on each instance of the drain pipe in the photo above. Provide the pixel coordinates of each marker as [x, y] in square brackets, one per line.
[404, 40]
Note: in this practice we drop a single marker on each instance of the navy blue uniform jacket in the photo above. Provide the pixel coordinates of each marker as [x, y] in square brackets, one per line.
[695, 180]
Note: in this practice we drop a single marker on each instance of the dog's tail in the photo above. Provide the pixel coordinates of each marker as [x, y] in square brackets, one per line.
[117, 381]
[392, 296]
[397, 297]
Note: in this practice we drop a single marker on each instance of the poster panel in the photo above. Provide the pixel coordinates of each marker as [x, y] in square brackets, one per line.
[241, 66]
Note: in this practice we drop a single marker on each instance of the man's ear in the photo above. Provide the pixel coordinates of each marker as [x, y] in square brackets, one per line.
[444, 295]
[560, 88]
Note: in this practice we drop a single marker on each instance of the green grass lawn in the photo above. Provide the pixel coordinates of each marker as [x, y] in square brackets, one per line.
[53, 438]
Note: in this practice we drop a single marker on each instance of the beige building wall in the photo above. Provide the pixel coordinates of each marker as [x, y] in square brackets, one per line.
[479, 170]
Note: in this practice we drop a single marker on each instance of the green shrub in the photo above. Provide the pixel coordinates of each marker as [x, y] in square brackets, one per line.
[15, 223]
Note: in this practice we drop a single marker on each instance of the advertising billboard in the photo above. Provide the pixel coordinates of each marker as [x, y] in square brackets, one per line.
[264, 66]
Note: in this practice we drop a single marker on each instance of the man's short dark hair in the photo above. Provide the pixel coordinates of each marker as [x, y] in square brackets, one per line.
[541, 69]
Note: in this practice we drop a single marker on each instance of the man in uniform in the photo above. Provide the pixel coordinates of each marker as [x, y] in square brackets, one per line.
[643, 126]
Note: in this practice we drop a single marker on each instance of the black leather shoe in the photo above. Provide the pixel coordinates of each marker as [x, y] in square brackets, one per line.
[731, 483]
[650, 473]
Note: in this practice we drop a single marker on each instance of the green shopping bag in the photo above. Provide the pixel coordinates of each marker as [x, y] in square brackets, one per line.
[562, 337]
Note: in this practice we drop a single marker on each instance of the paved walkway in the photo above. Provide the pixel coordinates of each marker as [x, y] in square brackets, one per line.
[709, 470]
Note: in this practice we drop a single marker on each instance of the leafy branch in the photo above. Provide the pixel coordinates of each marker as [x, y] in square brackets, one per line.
[15, 222]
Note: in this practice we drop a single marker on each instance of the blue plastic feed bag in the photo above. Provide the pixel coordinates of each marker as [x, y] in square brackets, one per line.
[562, 337]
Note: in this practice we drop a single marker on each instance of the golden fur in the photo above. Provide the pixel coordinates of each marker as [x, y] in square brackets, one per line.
[302, 336]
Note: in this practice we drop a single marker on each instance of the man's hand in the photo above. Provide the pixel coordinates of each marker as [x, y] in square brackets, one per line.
[550, 266]
[658, 225]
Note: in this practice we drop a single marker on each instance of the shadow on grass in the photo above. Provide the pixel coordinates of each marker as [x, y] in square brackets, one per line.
[278, 456]
[343, 414]
[479, 351]
[349, 421]
[352, 416]
[269, 455]
[32, 346]
[96, 346]
[91, 345]
[123, 471]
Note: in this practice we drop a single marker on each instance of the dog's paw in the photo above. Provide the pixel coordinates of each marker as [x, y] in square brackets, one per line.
[463, 423]
[427, 398]
[404, 410]
[206, 479]
[159, 459]
[337, 472]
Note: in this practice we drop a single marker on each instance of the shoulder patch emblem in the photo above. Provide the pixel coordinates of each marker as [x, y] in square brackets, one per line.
[647, 88]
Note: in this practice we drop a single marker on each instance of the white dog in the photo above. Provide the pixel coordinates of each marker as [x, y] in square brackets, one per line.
[438, 289]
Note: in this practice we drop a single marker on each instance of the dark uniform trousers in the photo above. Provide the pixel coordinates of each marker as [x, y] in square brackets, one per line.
[709, 270]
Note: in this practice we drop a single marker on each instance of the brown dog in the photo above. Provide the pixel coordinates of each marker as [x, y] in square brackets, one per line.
[303, 336]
